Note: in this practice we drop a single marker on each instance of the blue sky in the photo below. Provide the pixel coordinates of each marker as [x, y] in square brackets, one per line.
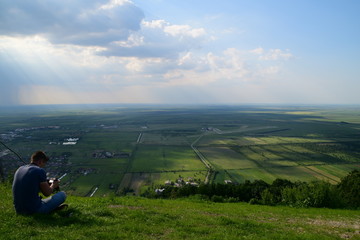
[172, 51]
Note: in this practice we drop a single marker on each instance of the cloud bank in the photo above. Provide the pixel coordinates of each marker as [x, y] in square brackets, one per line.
[106, 51]
[87, 23]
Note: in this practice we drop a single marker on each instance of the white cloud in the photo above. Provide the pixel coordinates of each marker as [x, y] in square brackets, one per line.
[277, 54]
[117, 27]
[87, 23]
[272, 54]
[184, 31]
[175, 30]
[78, 74]
[159, 23]
[134, 40]
[231, 67]
[258, 51]
[114, 3]
[158, 39]
[272, 70]
[104, 51]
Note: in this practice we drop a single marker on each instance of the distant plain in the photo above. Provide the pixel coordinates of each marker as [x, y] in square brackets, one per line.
[140, 147]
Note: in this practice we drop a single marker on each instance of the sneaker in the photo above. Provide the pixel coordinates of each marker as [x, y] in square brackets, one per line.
[61, 207]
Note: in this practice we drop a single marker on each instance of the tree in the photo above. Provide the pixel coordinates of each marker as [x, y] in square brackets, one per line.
[276, 188]
[349, 188]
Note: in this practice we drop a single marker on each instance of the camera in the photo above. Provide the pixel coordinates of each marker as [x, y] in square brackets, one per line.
[51, 180]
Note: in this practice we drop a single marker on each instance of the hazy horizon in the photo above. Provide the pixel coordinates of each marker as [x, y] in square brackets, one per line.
[179, 52]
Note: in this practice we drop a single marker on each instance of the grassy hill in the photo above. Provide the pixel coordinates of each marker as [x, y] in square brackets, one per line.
[191, 218]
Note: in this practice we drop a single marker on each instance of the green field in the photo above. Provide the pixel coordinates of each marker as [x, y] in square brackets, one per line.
[165, 158]
[142, 147]
[284, 158]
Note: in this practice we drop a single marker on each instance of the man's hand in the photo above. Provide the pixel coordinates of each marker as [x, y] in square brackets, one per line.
[47, 189]
[55, 184]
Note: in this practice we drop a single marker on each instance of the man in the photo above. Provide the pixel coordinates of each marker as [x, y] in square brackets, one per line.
[29, 180]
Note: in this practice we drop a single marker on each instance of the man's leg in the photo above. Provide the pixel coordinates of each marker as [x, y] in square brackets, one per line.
[49, 204]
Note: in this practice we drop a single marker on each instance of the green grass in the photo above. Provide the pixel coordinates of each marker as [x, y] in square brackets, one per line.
[139, 218]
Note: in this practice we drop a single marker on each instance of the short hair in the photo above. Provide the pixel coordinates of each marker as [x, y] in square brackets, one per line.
[39, 155]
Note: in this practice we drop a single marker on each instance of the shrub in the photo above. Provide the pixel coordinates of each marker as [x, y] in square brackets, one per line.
[217, 198]
[254, 201]
[313, 194]
[349, 189]
[267, 197]
[232, 200]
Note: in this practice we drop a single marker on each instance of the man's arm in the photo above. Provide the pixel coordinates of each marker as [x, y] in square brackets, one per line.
[47, 189]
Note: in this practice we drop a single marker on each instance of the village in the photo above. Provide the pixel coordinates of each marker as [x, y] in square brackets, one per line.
[57, 166]
[107, 154]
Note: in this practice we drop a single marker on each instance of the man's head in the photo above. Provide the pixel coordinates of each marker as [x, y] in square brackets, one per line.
[39, 158]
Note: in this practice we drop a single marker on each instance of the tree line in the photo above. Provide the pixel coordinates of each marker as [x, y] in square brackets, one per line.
[345, 194]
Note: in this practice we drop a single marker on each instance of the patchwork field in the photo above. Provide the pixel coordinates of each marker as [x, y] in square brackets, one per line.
[294, 159]
[130, 149]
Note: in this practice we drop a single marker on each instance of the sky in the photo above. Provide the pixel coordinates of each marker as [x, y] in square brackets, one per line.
[179, 52]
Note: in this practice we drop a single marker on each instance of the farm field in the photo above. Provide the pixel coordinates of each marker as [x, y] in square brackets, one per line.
[108, 149]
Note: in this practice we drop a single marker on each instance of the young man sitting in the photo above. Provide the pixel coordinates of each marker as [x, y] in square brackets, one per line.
[29, 180]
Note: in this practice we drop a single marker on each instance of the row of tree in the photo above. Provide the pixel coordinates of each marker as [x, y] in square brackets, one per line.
[346, 194]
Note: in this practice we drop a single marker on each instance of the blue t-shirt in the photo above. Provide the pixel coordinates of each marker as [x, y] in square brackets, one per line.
[26, 188]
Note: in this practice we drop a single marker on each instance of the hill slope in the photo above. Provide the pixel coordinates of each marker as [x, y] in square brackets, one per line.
[140, 218]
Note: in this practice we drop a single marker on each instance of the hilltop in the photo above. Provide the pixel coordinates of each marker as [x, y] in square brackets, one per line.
[190, 218]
